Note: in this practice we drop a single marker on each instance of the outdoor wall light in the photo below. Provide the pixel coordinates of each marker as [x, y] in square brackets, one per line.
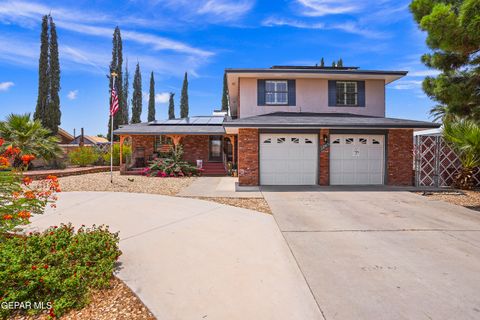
[325, 138]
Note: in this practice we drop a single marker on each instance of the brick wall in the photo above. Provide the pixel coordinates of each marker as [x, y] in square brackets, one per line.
[146, 142]
[400, 157]
[324, 163]
[195, 148]
[248, 157]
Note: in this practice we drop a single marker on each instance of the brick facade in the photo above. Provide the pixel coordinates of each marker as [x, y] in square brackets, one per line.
[195, 148]
[400, 157]
[248, 166]
[145, 142]
[324, 157]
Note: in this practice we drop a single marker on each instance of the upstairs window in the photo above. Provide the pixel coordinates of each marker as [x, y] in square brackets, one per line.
[347, 93]
[276, 92]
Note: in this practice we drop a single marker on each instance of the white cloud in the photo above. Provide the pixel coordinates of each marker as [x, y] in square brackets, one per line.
[424, 73]
[4, 86]
[215, 10]
[407, 84]
[72, 95]
[162, 97]
[318, 8]
[348, 27]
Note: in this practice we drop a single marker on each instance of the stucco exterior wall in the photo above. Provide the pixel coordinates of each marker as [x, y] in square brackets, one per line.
[312, 96]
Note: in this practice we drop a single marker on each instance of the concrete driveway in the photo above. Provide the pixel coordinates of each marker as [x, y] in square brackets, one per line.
[193, 259]
[382, 255]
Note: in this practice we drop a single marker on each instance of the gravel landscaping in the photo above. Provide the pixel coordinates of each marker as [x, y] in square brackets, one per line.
[118, 303]
[256, 204]
[137, 184]
[465, 198]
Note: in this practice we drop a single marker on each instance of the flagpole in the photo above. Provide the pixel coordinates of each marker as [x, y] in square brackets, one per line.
[111, 132]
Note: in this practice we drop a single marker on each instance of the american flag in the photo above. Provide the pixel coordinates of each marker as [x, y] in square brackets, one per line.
[114, 106]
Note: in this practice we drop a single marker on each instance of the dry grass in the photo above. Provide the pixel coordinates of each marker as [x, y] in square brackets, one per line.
[137, 184]
[466, 198]
[116, 303]
[256, 204]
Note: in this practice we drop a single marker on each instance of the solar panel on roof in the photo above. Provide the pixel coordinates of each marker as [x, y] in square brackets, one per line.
[216, 120]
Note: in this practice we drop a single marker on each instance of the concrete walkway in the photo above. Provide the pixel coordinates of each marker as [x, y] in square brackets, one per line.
[382, 255]
[217, 187]
[193, 259]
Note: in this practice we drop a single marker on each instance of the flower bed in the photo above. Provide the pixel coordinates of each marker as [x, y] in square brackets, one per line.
[56, 267]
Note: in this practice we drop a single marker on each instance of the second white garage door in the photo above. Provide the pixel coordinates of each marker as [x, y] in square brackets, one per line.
[357, 159]
[288, 159]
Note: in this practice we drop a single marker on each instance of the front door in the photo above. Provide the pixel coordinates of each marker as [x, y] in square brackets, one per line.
[215, 149]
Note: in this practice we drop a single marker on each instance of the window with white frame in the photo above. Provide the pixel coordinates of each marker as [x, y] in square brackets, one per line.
[276, 92]
[347, 93]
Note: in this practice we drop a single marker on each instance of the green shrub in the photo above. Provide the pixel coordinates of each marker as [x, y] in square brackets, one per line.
[126, 152]
[173, 166]
[57, 266]
[83, 156]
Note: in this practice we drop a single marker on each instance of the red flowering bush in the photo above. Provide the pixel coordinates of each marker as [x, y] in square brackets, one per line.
[56, 267]
[19, 198]
[173, 166]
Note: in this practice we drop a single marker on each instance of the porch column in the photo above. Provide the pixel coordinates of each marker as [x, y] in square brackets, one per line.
[176, 140]
[122, 139]
[232, 141]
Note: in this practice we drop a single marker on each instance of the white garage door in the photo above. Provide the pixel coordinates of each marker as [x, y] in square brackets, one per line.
[288, 159]
[357, 159]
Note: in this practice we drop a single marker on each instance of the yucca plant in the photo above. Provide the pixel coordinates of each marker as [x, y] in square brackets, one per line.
[20, 131]
[463, 136]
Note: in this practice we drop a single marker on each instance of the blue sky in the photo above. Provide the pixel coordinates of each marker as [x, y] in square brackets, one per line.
[170, 37]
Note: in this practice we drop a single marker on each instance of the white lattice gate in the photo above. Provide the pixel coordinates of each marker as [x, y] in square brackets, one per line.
[435, 163]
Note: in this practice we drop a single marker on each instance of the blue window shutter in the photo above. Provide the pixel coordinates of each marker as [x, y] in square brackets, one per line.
[361, 93]
[291, 93]
[332, 93]
[260, 92]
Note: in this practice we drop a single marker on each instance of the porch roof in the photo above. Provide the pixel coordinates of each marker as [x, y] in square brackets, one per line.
[158, 129]
[324, 120]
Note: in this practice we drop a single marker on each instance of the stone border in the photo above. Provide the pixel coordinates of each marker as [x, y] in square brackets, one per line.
[42, 174]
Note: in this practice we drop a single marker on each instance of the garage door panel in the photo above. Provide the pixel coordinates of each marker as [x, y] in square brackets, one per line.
[288, 159]
[357, 159]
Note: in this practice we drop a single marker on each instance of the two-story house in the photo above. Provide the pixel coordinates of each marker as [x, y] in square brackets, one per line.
[294, 125]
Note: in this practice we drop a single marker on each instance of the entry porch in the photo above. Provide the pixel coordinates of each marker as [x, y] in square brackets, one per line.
[216, 154]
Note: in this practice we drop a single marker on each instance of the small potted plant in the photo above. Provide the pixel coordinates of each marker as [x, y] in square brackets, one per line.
[234, 170]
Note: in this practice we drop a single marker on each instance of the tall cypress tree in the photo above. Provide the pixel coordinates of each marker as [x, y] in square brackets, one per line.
[43, 82]
[171, 106]
[322, 63]
[151, 99]
[53, 113]
[116, 66]
[225, 93]
[126, 80]
[137, 96]
[340, 63]
[184, 98]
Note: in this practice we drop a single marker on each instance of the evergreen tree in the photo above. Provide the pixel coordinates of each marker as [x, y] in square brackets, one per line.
[151, 100]
[225, 93]
[137, 96]
[334, 64]
[126, 80]
[43, 82]
[322, 63]
[184, 98]
[453, 35]
[53, 113]
[116, 66]
[171, 106]
[340, 63]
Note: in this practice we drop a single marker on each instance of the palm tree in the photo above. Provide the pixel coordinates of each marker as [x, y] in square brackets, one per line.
[463, 136]
[19, 130]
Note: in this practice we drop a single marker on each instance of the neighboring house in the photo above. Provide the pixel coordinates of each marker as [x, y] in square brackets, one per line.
[295, 125]
[64, 136]
[90, 140]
